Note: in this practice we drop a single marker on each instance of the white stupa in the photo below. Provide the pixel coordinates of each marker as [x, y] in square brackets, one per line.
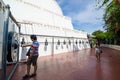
[44, 12]
[45, 17]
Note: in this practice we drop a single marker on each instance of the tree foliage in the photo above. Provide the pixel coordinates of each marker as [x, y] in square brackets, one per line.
[112, 18]
[99, 34]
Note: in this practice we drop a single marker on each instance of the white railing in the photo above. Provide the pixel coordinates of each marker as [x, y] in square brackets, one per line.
[117, 47]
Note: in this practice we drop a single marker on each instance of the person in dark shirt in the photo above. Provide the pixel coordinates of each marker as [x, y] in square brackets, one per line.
[98, 44]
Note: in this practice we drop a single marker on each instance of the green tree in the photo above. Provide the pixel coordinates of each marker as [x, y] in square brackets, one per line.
[99, 36]
[112, 19]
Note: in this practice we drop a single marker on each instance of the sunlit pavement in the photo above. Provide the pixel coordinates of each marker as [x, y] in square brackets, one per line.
[79, 65]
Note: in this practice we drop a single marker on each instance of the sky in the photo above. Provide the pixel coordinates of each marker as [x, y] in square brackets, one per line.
[84, 14]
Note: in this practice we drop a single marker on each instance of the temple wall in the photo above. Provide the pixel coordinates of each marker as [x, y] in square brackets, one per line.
[50, 45]
[45, 29]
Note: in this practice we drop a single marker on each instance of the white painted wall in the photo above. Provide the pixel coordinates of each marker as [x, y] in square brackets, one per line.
[53, 47]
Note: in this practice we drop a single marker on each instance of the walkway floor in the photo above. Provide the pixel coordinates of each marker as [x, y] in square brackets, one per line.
[81, 65]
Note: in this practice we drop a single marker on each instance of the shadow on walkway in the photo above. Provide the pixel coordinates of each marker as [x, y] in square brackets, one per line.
[80, 65]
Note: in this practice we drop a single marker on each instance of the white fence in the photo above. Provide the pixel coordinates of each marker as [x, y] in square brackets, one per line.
[117, 47]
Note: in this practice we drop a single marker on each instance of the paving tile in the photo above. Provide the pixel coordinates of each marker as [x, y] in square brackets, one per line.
[78, 65]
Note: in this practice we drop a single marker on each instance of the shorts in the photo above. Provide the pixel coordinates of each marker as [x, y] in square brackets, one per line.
[97, 51]
[33, 61]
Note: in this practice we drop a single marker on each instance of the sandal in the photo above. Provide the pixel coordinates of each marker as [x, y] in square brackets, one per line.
[26, 76]
[32, 75]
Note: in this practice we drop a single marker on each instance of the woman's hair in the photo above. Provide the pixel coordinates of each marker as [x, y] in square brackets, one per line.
[97, 46]
[33, 37]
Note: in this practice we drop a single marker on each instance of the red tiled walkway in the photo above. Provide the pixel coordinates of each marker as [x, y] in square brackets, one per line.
[79, 65]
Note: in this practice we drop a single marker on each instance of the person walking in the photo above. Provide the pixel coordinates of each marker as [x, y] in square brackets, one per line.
[98, 43]
[32, 57]
[98, 52]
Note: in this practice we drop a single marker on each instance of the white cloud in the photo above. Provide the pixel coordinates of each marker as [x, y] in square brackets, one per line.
[89, 15]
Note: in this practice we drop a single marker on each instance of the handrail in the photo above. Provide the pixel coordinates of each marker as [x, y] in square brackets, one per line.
[4, 45]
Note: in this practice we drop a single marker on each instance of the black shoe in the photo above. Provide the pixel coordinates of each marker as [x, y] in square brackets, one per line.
[26, 76]
[32, 75]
